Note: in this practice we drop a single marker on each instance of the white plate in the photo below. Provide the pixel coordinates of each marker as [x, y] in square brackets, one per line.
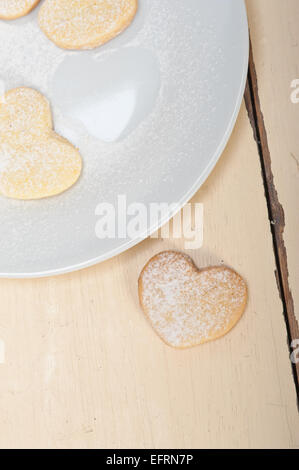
[151, 112]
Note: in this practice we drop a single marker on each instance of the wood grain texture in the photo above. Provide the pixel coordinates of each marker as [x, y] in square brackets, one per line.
[84, 368]
[275, 210]
[275, 42]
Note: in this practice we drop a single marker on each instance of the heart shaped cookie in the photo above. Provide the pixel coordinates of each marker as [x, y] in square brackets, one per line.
[85, 24]
[12, 9]
[35, 162]
[187, 306]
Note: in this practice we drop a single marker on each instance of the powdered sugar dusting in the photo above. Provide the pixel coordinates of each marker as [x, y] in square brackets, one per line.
[34, 161]
[15, 8]
[186, 306]
[87, 23]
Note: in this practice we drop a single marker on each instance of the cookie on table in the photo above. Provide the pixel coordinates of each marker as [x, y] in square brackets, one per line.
[85, 24]
[188, 306]
[35, 162]
[12, 9]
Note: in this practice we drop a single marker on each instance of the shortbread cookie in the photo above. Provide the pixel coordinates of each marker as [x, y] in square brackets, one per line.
[187, 306]
[85, 24]
[12, 9]
[35, 162]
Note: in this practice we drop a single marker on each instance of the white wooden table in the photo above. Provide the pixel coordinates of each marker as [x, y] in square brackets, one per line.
[83, 368]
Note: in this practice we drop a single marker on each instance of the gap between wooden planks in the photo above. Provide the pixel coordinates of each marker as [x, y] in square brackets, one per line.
[275, 209]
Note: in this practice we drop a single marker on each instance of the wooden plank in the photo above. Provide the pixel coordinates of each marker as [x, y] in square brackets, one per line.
[84, 369]
[275, 39]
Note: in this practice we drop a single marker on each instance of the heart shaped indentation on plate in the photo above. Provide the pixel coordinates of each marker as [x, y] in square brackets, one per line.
[110, 95]
[187, 306]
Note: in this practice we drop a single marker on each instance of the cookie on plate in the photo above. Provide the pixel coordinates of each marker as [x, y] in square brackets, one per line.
[12, 9]
[35, 162]
[85, 24]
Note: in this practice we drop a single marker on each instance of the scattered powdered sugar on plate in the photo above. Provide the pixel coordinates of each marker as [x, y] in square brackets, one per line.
[187, 306]
[161, 157]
